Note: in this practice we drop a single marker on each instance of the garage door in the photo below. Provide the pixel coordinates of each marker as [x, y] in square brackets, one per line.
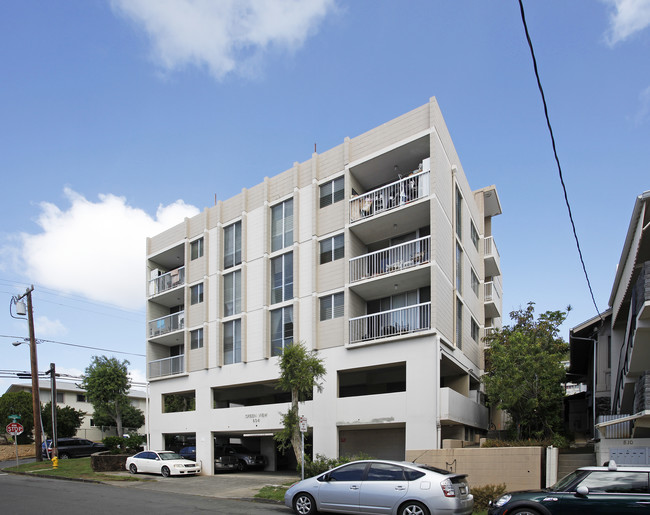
[387, 444]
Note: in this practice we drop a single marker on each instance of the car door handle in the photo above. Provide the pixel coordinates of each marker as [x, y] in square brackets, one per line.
[354, 487]
[400, 488]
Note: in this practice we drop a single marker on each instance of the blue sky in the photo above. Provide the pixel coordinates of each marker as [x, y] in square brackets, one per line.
[107, 108]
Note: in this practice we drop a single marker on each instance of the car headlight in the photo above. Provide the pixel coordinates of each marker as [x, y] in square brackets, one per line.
[179, 465]
[502, 500]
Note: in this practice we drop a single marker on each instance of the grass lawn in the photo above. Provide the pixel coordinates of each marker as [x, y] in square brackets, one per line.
[78, 468]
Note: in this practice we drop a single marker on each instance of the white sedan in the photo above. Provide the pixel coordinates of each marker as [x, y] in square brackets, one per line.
[167, 463]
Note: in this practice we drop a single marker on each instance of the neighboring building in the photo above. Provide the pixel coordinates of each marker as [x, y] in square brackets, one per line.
[377, 254]
[70, 395]
[622, 350]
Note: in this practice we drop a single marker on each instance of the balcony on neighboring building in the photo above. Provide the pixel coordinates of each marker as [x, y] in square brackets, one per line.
[492, 259]
[390, 196]
[167, 324]
[393, 259]
[493, 299]
[167, 366]
[458, 409]
[167, 281]
[388, 324]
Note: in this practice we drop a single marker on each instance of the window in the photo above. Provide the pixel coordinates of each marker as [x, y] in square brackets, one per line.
[331, 306]
[281, 329]
[475, 282]
[475, 330]
[474, 234]
[385, 472]
[282, 225]
[459, 268]
[282, 278]
[182, 401]
[232, 342]
[332, 249]
[459, 213]
[372, 381]
[616, 482]
[196, 294]
[459, 323]
[352, 472]
[332, 191]
[232, 245]
[196, 339]
[196, 249]
[59, 397]
[81, 398]
[232, 293]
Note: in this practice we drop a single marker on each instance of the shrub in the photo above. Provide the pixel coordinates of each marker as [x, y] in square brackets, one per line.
[484, 494]
[323, 463]
[129, 444]
[557, 441]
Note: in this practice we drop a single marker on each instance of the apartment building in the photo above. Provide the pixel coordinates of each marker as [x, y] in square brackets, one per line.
[377, 254]
[68, 394]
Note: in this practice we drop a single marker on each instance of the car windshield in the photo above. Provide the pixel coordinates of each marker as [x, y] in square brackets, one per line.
[240, 449]
[170, 456]
[564, 483]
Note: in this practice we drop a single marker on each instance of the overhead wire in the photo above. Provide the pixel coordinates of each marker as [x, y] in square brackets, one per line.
[557, 159]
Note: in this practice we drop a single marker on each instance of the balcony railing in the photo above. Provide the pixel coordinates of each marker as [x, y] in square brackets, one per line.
[491, 247]
[393, 259]
[167, 324]
[386, 324]
[167, 281]
[389, 197]
[167, 366]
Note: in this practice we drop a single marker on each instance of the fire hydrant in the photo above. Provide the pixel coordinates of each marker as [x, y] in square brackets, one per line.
[55, 462]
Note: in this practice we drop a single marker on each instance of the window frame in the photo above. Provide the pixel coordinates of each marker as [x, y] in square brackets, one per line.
[196, 339]
[196, 249]
[475, 282]
[284, 339]
[196, 294]
[474, 235]
[336, 310]
[282, 225]
[286, 278]
[336, 250]
[232, 351]
[232, 245]
[335, 194]
[476, 330]
[235, 298]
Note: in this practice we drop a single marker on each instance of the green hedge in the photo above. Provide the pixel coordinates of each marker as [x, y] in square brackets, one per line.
[484, 494]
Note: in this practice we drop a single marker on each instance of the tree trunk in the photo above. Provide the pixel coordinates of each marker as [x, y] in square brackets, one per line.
[295, 430]
[118, 421]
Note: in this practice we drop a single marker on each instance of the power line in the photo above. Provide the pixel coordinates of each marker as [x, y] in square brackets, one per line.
[557, 159]
[39, 340]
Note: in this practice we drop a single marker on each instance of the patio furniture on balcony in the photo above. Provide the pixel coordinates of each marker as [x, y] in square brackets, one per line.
[167, 324]
[392, 259]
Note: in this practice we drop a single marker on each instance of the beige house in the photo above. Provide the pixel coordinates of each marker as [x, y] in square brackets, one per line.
[68, 394]
[377, 254]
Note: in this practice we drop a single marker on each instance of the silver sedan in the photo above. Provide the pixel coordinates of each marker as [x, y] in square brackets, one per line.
[167, 463]
[381, 486]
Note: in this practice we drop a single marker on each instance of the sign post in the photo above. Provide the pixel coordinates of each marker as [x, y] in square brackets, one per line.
[303, 430]
[15, 429]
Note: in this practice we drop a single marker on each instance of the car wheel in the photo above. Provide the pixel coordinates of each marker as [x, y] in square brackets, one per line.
[133, 469]
[304, 504]
[63, 456]
[525, 511]
[241, 466]
[413, 508]
[165, 471]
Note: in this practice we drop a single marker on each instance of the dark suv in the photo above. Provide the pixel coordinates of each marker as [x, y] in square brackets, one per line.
[73, 448]
[245, 458]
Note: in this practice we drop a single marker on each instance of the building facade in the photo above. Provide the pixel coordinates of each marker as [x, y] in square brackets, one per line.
[377, 254]
[68, 394]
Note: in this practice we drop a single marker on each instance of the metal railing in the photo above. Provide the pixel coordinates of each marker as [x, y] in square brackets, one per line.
[167, 324]
[389, 197]
[392, 259]
[167, 281]
[395, 322]
[167, 366]
[491, 247]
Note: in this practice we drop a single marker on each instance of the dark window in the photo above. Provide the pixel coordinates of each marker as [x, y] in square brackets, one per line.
[385, 472]
[332, 191]
[232, 245]
[282, 225]
[616, 482]
[372, 381]
[282, 278]
[196, 249]
[281, 329]
[196, 339]
[196, 294]
[331, 306]
[353, 472]
[232, 342]
[475, 331]
[332, 249]
[412, 475]
[474, 235]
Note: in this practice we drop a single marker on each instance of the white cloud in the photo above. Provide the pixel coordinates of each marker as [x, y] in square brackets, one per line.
[224, 35]
[96, 249]
[627, 18]
[49, 328]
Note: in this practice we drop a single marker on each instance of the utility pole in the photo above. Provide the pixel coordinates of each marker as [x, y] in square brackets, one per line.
[55, 445]
[36, 401]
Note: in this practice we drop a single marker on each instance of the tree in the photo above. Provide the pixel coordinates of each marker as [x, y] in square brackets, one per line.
[68, 420]
[300, 372]
[132, 417]
[107, 384]
[18, 403]
[524, 371]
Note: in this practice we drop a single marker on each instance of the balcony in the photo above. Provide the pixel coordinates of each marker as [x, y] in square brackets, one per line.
[458, 409]
[390, 260]
[167, 281]
[491, 258]
[493, 299]
[167, 324]
[388, 324]
[390, 196]
[167, 366]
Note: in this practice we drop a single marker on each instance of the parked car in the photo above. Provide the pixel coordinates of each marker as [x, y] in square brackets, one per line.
[72, 448]
[166, 463]
[382, 486]
[245, 459]
[189, 452]
[610, 489]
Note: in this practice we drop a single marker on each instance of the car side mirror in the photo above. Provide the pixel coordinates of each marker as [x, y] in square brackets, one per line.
[582, 491]
[327, 477]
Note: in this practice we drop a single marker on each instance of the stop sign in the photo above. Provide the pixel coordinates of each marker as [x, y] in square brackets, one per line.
[14, 428]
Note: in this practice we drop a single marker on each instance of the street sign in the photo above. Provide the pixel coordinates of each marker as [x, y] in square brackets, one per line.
[14, 417]
[303, 424]
[14, 428]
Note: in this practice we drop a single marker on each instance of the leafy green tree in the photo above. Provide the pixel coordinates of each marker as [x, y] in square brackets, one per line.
[300, 372]
[68, 420]
[107, 384]
[132, 417]
[524, 371]
[18, 403]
